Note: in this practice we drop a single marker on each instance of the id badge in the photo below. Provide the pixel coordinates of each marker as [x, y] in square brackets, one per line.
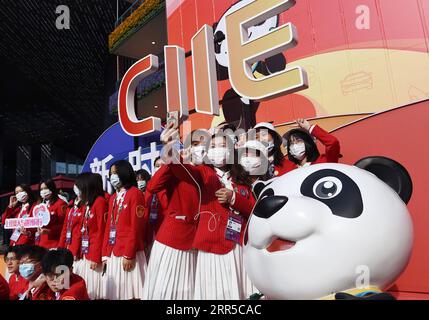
[68, 237]
[15, 235]
[233, 228]
[85, 244]
[112, 236]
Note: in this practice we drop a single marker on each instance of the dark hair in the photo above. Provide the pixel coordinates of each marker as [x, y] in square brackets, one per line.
[95, 189]
[144, 174]
[33, 252]
[30, 193]
[311, 150]
[51, 186]
[125, 172]
[55, 258]
[17, 250]
[90, 187]
[277, 151]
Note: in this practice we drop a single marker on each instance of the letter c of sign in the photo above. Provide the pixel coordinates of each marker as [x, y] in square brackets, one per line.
[126, 107]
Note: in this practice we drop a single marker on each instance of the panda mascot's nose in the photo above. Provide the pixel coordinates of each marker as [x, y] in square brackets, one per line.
[268, 206]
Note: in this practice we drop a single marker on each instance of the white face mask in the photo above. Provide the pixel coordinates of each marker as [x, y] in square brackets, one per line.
[76, 191]
[297, 150]
[141, 185]
[115, 181]
[45, 193]
[218, 156]
[198, 154]
[250, 163]
[22, 196]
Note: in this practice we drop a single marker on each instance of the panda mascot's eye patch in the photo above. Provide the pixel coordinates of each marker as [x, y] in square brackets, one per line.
[336, 190]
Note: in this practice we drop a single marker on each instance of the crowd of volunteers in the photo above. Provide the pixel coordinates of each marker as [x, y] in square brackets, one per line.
[174, 234]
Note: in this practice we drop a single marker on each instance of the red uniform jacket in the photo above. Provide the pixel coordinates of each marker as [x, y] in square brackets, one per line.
[58, 211]
[332, 151]
[107, 196]
[130, 228]
[16, 213]
[95, 225]
[213, 217]
[73, 220]
[77, 291]
[10, 213]
[161, 204]
[4, 289]
[180, 221]
[17, 286]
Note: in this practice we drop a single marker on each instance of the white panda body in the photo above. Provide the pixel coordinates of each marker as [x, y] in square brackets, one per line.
[343, 228]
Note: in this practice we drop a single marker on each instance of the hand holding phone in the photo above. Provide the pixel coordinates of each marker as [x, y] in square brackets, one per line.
[173, 119]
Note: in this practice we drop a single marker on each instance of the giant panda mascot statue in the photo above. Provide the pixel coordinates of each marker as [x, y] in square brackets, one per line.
[331, 231]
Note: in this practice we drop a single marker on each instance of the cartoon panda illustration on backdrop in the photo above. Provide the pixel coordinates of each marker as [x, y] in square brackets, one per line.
[331, 231]
[238, 110]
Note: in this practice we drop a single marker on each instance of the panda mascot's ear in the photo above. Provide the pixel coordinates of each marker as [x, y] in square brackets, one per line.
[391, 172]
[258, 187]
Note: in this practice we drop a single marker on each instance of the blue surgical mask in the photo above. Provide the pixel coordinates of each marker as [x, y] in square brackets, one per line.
[115, 181]
[26, 270]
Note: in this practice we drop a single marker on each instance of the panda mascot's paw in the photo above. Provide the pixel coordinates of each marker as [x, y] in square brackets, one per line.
[322, 231]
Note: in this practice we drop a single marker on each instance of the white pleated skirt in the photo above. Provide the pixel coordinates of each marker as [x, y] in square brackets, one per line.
[122, 285]
[93, 278]
[170, 274]
[218, 276]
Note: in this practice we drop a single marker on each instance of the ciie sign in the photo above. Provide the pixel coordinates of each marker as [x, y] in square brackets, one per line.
[242, 54]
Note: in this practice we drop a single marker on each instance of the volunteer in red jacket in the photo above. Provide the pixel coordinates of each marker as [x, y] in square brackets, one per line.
[70, 235]
[253, 157]
[226, 202]
[123, 245]
[171, 269]
[57, 264]
[17, 284]
[20, 206]
[92, 225]
[155, 218]
[49, 236]
[302, 149]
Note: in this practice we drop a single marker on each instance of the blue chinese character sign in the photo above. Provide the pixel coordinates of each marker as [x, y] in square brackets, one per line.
[114, 144]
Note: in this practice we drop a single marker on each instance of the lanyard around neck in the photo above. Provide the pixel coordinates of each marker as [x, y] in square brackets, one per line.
[113, 221]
